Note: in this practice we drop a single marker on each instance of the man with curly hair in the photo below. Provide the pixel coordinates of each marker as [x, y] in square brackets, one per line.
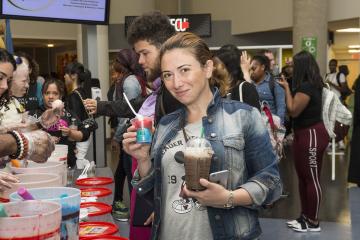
[146, 34]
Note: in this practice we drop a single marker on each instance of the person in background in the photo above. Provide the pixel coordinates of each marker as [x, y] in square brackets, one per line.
[187, 65]
[130, 80]
[287, 72]
[33, 98]
[337, 83]
[330, 78]
[273, 67]
[230, 56]
[78, 86]
[354, 166]
[311, 137]
[11, 110]
[54, 89]
[268, 89]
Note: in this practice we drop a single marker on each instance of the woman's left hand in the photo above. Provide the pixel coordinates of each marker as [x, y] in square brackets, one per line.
[214, 195]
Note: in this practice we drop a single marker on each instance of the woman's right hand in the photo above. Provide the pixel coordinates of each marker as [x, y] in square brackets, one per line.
[6, 179]
[41, 145]
[136, 150]
[91, 105]
[282, 82]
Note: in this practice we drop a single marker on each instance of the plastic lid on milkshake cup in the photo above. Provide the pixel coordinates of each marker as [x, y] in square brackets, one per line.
[198, 145]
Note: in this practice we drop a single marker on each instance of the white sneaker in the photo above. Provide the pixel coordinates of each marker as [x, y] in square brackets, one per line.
[305, 226]
[294, 222]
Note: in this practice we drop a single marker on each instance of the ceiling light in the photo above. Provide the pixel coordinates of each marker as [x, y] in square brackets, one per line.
[50, 45]
[354, 46]
[354, 50]
[349, 30]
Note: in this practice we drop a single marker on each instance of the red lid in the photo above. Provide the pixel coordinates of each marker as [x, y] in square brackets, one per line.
[91, 230]
[4, 200]
[96, 208]
[94, 181]
[95, 192]
[110, 238]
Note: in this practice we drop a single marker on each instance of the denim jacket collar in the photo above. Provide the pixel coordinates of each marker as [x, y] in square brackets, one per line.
[211, 109]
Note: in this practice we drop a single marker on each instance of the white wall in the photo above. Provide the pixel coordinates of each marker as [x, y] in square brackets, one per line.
[43, 30]
[121, 8]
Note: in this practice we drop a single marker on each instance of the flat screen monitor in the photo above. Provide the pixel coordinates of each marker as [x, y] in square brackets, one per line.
[73, 11]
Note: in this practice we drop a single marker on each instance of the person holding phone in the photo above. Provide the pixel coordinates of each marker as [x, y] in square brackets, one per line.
[235, 131]
[310, 140]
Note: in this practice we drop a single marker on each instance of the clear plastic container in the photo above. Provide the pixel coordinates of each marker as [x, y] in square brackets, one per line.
[97, 211]
[197, 160]
[103, 194]
[31, 220]
[47, 167]
[69, 198]
[32, 181]
[59, 154]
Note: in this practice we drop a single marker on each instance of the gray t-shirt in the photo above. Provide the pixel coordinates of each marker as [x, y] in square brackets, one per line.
[180, 218]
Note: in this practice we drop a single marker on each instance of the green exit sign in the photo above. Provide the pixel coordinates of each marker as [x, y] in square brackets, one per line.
[309, 44]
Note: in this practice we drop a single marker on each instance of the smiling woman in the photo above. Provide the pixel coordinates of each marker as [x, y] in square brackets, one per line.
[187, 66]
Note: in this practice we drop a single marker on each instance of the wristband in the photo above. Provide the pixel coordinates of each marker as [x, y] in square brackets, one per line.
[18, 145]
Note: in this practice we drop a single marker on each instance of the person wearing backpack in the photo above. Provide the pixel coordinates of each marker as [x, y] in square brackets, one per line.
[130, 80]
[311, 137]
[337, 80]
[338, 84]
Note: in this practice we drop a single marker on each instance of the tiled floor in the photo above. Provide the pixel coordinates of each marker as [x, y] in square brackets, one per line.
[334, 211]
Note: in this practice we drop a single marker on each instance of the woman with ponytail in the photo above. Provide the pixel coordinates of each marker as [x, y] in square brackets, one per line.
[238, 137]
[78, 86]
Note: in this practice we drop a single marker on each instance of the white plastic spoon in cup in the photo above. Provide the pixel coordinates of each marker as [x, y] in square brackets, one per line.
[131, 107]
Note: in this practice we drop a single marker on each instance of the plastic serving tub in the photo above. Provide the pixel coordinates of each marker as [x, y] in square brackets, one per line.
[69, 198]
[97, 211]
[32, 181]
[31, 220]
[47, 167]
[103, 194]
[96, 230]
[91, 182]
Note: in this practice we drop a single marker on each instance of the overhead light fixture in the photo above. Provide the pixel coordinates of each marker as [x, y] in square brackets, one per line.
[349, 30]
[354, 50]
[50, 45]
[354, 46]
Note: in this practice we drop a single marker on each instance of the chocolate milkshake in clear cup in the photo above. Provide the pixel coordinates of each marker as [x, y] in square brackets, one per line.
[197, 159]
[143, 127]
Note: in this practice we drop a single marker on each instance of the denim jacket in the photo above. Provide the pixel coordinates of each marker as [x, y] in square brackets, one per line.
[242, 145]
[277, 105]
